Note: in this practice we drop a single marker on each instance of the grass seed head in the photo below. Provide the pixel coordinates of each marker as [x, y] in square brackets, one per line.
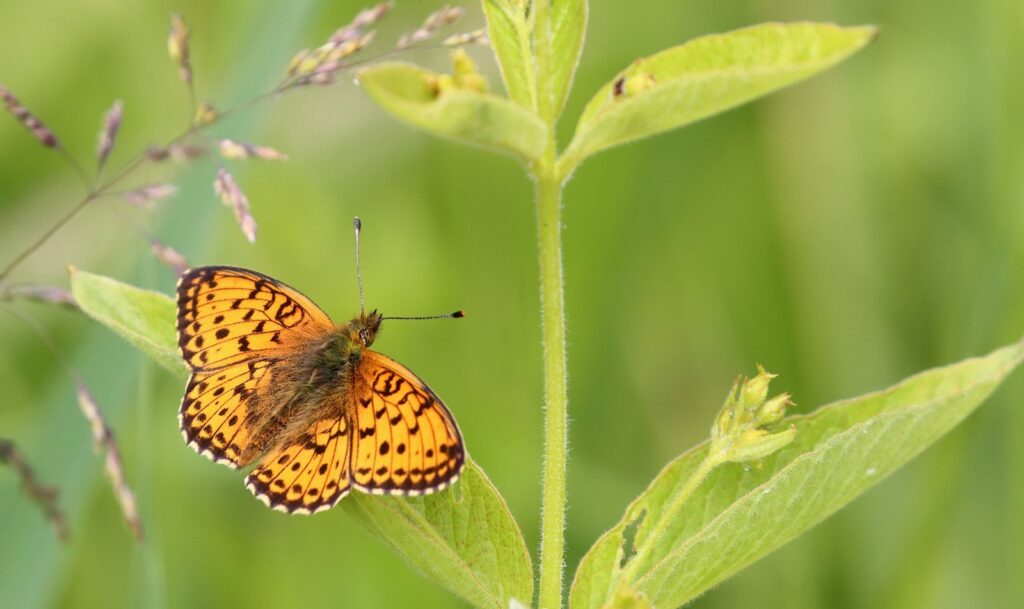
[108, 132]
[30, 121]
[178, 48]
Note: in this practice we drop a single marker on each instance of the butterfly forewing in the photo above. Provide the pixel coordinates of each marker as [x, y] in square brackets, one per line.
[227, 315]
[405, 441]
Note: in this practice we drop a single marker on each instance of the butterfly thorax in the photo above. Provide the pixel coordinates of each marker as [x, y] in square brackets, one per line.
[331, 358]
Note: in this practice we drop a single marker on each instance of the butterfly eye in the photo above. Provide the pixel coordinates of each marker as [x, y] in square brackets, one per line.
[364, 336]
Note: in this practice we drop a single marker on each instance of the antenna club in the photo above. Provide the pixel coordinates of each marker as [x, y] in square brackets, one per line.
[458, 314]
[357, 223]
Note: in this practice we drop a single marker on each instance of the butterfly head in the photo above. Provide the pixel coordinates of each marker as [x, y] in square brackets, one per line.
[363, 329]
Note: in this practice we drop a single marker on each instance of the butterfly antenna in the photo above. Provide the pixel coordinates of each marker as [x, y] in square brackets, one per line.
[359, 276]
[455, 315]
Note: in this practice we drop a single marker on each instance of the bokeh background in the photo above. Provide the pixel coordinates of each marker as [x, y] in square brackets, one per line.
[846, 233]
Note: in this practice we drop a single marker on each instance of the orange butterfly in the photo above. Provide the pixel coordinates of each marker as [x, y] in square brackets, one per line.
[273, 377]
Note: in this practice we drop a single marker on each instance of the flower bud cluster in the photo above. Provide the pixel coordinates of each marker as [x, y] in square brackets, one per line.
[745, 427]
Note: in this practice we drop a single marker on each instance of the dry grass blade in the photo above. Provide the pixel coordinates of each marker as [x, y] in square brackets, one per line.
[464, 38]
[147, 196]
[444, 16]
[108, 133]
[43, 495]
[365, 18]
[170, 257]
[29, 120]
[39, 293]
[104, 440]
[232, 196]
[317, 67]
[175, 152]
[230, 149]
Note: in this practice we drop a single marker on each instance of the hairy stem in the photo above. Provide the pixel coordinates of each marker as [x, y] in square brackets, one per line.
[552, 303]
[549, 223]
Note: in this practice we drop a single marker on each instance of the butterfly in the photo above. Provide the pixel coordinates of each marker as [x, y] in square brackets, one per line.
[274, 381]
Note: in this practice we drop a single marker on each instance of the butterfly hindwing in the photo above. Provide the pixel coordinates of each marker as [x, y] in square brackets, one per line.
[309, 474]
[405, 441]
[228, 315]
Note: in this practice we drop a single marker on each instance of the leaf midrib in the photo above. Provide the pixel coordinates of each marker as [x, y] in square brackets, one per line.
[803, 457]
[424, 528]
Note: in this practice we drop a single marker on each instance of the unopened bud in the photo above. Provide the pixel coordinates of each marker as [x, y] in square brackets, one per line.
[756, 389]
[742, 431]
[774, 409]
[757, 444]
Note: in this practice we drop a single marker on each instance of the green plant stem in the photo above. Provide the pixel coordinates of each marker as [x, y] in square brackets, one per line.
[549, 229]
[556, 444]
[552, 304]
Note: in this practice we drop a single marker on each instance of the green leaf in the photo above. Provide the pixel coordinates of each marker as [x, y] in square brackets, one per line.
[413, 95]
[145, 318]
[465, 538]
[706, 76]
[672, 551]
[626, 598]
[568, 26]
[509, 32]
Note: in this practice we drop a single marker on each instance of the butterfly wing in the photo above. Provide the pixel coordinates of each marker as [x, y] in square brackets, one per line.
[215, 411]
[228, 315]
[308, 475]
[233, 325]
[404, 439]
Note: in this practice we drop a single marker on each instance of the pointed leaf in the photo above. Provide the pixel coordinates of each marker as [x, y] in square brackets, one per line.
[144, 318]
[735, 516]
[463, 538]
[509, 33]
[706, 76]
[414, 95]
[568, 28]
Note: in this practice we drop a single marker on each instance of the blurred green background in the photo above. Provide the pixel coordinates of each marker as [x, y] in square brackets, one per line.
[846, 233]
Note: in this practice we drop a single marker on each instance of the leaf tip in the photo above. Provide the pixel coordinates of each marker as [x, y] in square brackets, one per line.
[869, 33]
